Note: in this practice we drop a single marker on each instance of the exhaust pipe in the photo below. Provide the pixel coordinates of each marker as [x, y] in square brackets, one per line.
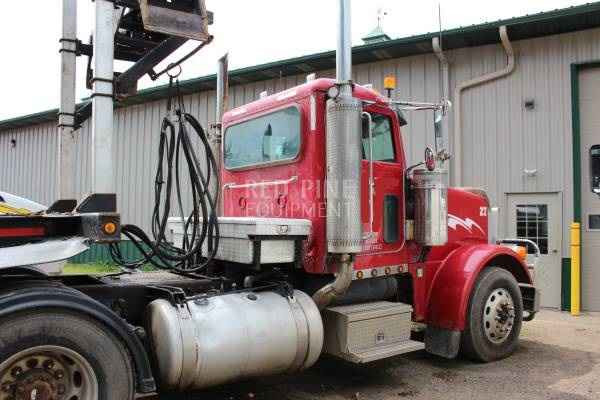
[328, 293]
[221, 107]
[344, 153]
[222, 86]
[343, 55]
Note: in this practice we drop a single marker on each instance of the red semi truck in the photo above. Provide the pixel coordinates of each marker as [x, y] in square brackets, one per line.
[328, 243]
[432, 242]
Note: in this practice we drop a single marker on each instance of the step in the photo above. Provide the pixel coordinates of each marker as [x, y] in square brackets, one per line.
[386, 351]
[367, 332]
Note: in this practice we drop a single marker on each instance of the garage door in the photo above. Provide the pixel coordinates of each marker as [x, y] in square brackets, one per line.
[538, 217]
[589, 103]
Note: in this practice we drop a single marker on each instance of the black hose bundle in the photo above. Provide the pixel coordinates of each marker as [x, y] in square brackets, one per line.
[201, 230]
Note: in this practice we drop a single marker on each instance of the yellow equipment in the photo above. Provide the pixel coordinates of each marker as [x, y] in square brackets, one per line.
[5, 209]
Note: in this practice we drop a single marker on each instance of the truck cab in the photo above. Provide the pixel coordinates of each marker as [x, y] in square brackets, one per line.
[275, 166]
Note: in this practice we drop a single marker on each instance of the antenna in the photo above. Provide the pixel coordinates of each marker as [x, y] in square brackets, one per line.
[441, 77]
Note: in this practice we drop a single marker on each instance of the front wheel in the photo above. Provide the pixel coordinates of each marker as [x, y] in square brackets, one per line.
[494, 316]
[54, 354]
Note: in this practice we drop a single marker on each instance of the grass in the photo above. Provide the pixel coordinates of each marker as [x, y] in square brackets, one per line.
[90, 269]
[97, 269]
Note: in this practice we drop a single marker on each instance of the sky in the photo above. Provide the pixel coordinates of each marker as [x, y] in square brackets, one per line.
[253, 32]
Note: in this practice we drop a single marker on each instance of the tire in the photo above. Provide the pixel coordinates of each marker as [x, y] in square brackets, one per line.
[59, 354]
[482, 340]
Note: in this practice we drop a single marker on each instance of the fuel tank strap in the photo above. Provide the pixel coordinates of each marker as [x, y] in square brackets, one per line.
[301, 320]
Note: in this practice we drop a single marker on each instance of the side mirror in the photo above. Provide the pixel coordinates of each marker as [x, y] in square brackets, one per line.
[438, 130]
[401, 118]
[595, 169]
[429, 159]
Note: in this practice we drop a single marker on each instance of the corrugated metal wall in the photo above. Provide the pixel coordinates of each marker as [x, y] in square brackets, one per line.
[28, 167]
[500, 137]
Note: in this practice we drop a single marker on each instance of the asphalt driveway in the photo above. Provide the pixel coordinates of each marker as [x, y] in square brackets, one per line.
[559, 358]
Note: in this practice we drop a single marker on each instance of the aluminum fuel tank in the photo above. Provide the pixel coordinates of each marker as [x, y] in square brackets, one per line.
[220, 339]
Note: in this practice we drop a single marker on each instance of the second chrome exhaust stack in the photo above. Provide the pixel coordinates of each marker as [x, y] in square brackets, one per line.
[343, 55]
[344, 125]
[344, 153]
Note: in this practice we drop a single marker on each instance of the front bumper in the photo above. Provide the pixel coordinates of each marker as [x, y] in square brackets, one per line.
[531, 300]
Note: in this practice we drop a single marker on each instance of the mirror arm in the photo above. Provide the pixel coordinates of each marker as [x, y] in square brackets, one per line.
[418, 106]
[371, 175]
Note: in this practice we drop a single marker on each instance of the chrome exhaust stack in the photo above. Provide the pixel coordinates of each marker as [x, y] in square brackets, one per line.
[343, 55]
[344, 134]
[344, 125]
[217, 128]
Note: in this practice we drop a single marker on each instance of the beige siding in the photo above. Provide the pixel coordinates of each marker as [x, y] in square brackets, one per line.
[28, 169]
[500, 138]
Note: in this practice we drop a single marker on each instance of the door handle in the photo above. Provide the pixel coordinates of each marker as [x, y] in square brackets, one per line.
[554, 251]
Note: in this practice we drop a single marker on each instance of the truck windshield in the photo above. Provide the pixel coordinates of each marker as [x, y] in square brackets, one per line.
[267, 139]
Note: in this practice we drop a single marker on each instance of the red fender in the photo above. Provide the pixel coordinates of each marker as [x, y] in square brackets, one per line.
[453, 282]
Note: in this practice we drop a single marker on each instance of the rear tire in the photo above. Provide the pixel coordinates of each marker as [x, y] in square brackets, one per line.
[58, 354]
[494, 317]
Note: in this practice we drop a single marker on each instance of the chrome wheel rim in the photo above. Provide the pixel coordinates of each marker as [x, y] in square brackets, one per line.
[498, 316]
[47, 373]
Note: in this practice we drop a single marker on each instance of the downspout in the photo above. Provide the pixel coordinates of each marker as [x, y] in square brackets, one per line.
[510, 67]
[442, 141]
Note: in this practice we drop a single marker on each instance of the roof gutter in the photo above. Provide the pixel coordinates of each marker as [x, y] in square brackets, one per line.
[506, 71]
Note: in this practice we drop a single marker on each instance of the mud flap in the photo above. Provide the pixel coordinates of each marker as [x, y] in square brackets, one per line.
[442, 342]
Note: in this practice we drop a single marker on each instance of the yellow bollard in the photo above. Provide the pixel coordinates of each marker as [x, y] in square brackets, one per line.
[575, 268]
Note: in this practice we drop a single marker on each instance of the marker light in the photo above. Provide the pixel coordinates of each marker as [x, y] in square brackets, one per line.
[109, 228]
[522, 252]
[389, 83]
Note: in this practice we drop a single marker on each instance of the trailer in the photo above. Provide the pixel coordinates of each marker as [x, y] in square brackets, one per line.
[308, 234]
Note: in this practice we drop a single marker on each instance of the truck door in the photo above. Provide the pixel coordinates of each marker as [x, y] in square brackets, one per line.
[383, 206]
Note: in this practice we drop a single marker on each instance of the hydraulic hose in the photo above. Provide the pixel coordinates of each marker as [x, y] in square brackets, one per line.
[201, 230]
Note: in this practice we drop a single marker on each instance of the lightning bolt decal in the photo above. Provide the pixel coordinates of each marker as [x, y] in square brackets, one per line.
[467, 223]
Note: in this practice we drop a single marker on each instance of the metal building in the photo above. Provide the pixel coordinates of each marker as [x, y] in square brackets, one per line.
[531, 137]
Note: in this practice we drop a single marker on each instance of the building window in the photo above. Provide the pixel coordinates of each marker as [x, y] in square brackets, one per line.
[383, 141]
[595, 168]
[268, 139]
[594, 222]
[532, 224]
